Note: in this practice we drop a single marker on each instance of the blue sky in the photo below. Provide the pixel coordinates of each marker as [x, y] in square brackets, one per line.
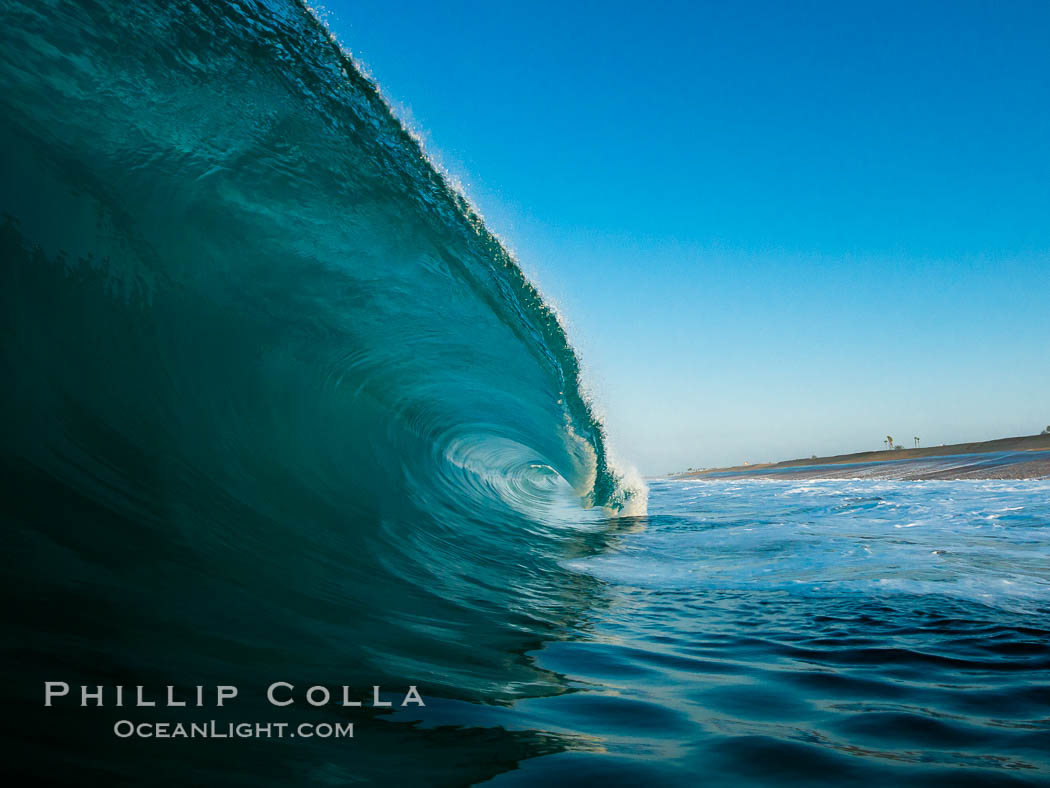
[773, 230]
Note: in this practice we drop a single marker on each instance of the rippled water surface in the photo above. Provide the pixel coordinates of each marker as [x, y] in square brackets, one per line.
[819, 632]
[282, 409]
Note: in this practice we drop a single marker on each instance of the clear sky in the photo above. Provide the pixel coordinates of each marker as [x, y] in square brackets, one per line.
[773, 229]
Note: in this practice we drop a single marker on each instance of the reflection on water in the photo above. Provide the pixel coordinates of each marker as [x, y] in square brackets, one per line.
[834, 632]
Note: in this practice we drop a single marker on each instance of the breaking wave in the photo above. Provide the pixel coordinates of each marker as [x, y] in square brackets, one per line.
[276, 395]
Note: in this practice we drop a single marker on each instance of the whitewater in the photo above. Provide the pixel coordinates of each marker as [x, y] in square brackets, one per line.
[279, 407]
[278, 399]
[819, 632]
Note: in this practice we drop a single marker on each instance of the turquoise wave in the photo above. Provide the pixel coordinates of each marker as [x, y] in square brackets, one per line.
[278, 399]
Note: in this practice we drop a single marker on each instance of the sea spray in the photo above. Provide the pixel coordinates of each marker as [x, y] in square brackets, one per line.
[279, 404]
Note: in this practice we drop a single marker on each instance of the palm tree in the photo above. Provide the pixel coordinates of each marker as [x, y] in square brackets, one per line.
[889, 441]
[916, 441]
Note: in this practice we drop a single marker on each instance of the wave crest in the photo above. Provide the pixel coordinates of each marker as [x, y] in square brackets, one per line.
[266, 353]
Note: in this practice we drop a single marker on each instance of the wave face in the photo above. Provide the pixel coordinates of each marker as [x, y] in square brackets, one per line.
[277, 398]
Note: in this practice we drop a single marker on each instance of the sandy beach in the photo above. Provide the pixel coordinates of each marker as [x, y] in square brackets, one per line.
[1025, 457]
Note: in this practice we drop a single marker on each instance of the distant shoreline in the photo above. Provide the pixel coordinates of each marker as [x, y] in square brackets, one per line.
[887, 464]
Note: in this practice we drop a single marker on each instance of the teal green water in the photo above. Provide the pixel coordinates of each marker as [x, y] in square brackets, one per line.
[279, 408]
[278, 404]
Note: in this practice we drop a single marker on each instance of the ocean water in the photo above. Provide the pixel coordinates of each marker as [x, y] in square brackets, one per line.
[818, 632]
[278, 407]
